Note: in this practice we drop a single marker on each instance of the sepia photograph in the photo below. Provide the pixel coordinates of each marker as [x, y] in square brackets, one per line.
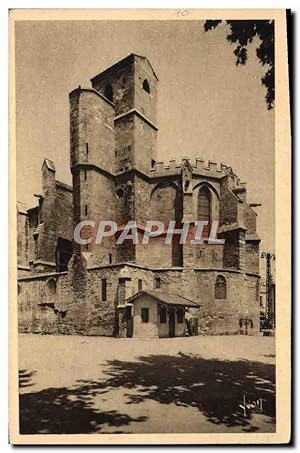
[145, 206]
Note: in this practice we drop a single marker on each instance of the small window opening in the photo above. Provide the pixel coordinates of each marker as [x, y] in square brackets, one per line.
[220, 287]
[87, 149]
[120, 192]
[52, 285]
[140, 284]
[145, 314]
[63, 253]
[110, 258]
[108, 93]
[85, 175]
[146, 86]
[163, 316]
[86, 209]
[157, 282]
[261, 303]
[153, 162]
[104, 289]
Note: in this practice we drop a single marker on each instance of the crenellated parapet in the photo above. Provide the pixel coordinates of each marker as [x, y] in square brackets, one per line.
[199, 167]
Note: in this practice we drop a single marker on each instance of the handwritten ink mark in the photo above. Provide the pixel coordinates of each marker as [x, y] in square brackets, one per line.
[182, 13]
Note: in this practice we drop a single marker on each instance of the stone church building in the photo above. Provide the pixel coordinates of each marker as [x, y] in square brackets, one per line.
[134, 289]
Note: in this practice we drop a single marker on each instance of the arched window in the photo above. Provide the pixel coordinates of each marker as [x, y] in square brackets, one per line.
[51, 283]
[146, 86]
[108, 93]
[204, 209]
[220, 287]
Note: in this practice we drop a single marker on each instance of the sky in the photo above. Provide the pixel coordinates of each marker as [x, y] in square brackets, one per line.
[207, 106]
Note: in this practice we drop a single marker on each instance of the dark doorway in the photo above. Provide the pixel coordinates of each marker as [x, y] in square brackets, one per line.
[172, 323]
[64, 251]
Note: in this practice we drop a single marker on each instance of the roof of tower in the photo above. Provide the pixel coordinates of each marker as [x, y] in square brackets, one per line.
[129, 57]
[49, 164]
[21, 207]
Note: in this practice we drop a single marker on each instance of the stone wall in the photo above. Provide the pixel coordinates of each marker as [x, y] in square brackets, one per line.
[125, 146]
[113, 149]
[91, 130]
[22, 239]
[140, 328]
[40, 228]
[252, 256]
[144, 143]
[76, 306]
[145, 102]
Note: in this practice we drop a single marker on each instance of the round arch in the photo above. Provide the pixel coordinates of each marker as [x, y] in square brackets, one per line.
[51, 285]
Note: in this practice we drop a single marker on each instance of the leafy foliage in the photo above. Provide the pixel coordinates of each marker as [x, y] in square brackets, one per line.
[241, 33]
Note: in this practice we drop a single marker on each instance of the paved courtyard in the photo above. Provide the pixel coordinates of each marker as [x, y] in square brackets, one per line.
[105, 385]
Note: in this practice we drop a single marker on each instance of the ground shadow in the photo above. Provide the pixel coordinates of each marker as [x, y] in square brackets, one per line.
[66, 411]
[214, 387]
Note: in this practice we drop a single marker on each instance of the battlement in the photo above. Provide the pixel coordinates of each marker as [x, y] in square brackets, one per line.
[199, 167]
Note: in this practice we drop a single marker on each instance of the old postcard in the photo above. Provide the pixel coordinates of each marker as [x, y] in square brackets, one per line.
[150, 227]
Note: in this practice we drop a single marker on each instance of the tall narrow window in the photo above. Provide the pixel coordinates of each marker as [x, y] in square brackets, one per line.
[220, 287]
[140, 284]
[163, 315]
[85, 174]
[157, 282]
[63, 253]
[257, 290]
[145, 314]
[87, 149]
[108, 93]
[86, 210]
[110, 258]
[104, 289]
[261, 302]
[204, 201]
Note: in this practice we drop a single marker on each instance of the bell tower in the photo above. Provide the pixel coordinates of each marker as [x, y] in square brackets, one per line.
[131, 85]
[113, 147]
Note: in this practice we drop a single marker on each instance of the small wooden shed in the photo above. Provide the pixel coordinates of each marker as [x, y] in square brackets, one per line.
[158, 314]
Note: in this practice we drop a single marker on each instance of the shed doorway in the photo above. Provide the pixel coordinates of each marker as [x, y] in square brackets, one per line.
[171, 323]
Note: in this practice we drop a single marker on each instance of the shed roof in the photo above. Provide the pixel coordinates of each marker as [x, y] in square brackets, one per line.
[165, 298]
